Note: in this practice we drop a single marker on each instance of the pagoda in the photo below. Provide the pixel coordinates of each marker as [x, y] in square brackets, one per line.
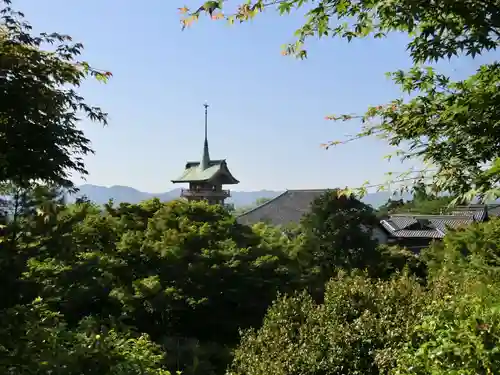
[206, 177]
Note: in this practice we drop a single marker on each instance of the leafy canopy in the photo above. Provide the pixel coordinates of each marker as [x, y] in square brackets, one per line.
[338, 233]
[39, 106]
[395, 327]
[436, 29]
[185, 274]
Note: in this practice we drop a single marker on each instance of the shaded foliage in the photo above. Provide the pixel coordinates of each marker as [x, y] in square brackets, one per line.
[338, 233]
[156, 287]
[44, 344]
[450, 325]
[185, 274]
[355, 331]
[39, 107]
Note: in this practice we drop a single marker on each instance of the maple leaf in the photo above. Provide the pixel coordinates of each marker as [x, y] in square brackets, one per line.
[217, 16]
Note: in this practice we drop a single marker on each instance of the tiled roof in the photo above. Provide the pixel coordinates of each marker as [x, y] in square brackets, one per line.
[480, 211]
[286, 208]
[436, 226]
[494, 210]
[195, 173]
[424, 226]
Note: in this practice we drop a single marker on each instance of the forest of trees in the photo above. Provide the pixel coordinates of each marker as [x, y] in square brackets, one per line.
[159, 288]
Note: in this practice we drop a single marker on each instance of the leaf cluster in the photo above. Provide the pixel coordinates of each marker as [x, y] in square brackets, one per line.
[39, 107]
[185, 274]
[394, 327]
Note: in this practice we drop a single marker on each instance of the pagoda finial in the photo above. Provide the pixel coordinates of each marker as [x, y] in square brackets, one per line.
[205, 159]
[206, 118]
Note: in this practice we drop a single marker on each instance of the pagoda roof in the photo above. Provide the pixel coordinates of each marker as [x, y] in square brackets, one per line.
[195, 172]
[207, 170]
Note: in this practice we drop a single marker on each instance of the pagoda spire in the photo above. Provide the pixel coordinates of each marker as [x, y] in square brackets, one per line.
[205, 159]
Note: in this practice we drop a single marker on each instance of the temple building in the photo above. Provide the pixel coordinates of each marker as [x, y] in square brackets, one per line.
[415, 231]
[206, 177]
[409, 230]
[288, 208]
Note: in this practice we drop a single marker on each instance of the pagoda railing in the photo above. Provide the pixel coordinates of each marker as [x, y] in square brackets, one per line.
[205, 193]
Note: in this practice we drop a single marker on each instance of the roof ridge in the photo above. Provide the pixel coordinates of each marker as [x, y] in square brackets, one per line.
[432, 216]
[263, 204]
[308, 189]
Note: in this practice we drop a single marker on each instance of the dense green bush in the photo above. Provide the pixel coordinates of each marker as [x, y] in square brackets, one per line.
[458, 334]
[338, 233]
[35, 340]
[397, 326]
[184, 273]
[356, 330]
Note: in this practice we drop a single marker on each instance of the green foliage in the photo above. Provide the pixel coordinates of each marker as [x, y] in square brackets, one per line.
[460, 335]
[35, 340]
[394, 327]
[422, 203]
[185, 274]
[442, 125]
[466, 28]
[39, 108]
[209, 269]
[459, 332]
[114, 287]
[338, 233]
[356, 331]
[436, 30]
[155, 287]
[476, 247]
[392, 260]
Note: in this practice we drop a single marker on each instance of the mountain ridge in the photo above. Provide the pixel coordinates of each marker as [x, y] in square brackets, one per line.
[120, 194]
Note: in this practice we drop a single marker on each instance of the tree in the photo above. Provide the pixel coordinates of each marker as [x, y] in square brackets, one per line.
[392, 327]
[450, 126]
[39, 107]
[39, 148]
[45, 344]
[459, 333]
[423, 202]
[186, 274]
[338, 233]
[355, 331]
[29, 214]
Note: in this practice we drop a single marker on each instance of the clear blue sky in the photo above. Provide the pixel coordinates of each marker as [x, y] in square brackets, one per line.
[267, 111]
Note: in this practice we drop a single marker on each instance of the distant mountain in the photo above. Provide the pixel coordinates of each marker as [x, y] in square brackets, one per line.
[102, 194]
